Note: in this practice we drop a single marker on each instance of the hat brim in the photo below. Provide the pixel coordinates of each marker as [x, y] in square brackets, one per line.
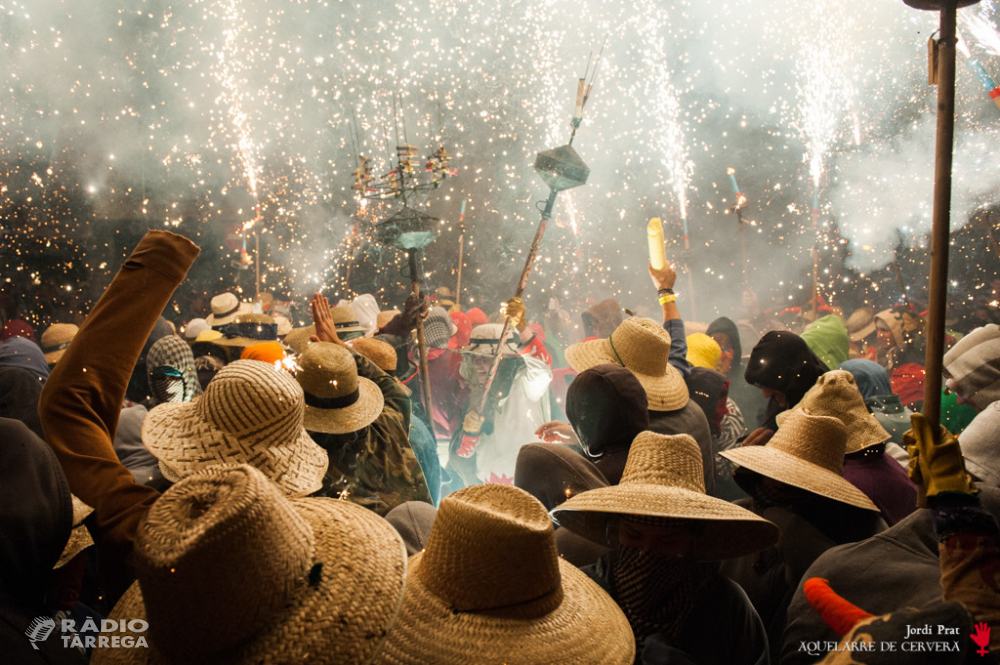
[52, 357]
[350, 418]
[79, 537]
[860, 435]
[667, 392]
[342, 619]
[791, 470]
[730, 531]
[183, 442]
[213, 321]
[586, 627]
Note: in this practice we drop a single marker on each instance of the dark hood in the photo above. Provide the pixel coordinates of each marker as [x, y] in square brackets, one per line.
[19, 393]
[782, 361]
[602, 319]
[23, 353]
[36, 512]
[607, 407]
[872, 379]
[726, 326]
[708, 388]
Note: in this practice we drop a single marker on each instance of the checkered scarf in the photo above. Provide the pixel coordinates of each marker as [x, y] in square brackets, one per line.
[172, 352]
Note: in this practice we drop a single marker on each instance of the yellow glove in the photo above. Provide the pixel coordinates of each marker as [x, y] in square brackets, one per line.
[936, 464]
[515, 310]
[472, 423]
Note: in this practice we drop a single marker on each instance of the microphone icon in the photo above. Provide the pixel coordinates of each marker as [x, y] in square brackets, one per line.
[39, 630]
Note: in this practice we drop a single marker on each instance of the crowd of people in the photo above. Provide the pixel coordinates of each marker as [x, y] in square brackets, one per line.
[232, 488]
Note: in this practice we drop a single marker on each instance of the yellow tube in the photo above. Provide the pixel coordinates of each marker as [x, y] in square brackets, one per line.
[657, 251]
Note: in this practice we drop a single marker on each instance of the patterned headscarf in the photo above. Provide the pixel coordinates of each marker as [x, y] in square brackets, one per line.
[171, 370]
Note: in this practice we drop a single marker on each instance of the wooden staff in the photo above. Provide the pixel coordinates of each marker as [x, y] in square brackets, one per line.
[461, 247]
[421, 340]
[902, 285]
[941, 217]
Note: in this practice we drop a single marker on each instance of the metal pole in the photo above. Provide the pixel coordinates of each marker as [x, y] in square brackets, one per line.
[256, 252]
[942, 205]
[521, 284]
[425, 376]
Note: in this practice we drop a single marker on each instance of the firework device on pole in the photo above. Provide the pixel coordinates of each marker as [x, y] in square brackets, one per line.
[657, 250]
[561, 168]
[461, 247]
[943, 63]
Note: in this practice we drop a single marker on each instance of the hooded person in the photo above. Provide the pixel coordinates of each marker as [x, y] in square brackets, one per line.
[784, 367]
[601, 319]
[489, 587]
[666, 536]
[866, 466]
[644, 347]
[896, 344]
[36, 516]
[22, 352]
[827, 337]
[710, 391]
[747, 397]
[232, 571]
[172, 374]
[972, 367]
[138, 383]
[360, 416]
[796, 481]
[443, 365]
[485, 448]
[19, 394]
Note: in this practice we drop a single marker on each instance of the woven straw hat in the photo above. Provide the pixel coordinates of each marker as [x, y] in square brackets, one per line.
[247, 330]
[225, 308]
[641, 346]
[297, 339]
[806, 452]
[56, 339]
[346, 320]
[836, 394]
[485, 339]
[860, 324]
[338, 401]
[386, 316]
[250, 412]
[207, 336]
[490, 588]
[664, 477]
[284, 325]
[79, 537]
[234, 572]
[379, 352]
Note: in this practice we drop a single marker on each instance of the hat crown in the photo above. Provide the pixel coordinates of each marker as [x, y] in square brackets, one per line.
[670, 461]
[493, 547]
[343, 314]
[224, 303]
[820, 440]
[217, 555]
[642, 345]
[58, 333]
[836, 394]
[484, 338]
[327, 370]
[379, 352]
[251, 397]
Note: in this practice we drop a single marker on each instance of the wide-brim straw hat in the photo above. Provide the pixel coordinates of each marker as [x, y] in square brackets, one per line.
[485, 339]
[247, 330]
[346, 320]
[55, 340]
[836, 394]
[385, 316]
[338, 401]
[250, 412]
[379, 352]
[664, 477]
[297, 339]
[806, 452]
[490, 588]
[641, 346]
[79, 537]
[236, 573]
[225, 308]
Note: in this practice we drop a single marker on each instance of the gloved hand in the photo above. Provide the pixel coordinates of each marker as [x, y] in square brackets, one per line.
[936, 464]
[413, 308]
[515, 310]
[472, 424]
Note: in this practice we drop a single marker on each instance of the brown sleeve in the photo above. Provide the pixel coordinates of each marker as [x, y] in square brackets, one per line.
[82, 399]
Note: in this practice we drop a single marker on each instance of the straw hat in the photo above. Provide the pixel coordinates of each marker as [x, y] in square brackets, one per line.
[338, 401]
[379, 352]
[225, 308]
[806, 452]
[247, 330]
[641, 346]
[79, 537]
[297, 339]
[703, 351]
[664, 477]
[250, 412]
[490, 587]
[234, 572]
[56, 339]
[346, 320]
[284, 325]
[485, 339]
[207, 336]
[836, 394]
[860, 324]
